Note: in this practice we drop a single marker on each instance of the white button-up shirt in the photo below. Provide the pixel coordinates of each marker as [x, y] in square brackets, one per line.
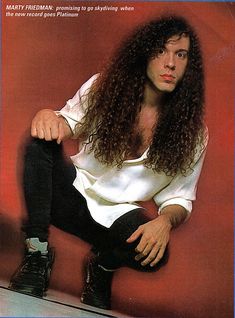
[111, 191]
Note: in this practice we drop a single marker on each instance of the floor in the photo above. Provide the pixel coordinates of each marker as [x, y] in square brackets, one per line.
[13, 304]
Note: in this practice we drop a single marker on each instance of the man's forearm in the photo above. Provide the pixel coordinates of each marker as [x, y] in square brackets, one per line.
[176, 214]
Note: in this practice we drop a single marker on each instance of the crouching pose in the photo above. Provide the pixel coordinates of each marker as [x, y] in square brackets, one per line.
[142, 136]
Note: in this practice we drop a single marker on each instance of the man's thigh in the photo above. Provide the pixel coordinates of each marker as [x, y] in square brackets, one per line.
[68, 207]
[69, 210]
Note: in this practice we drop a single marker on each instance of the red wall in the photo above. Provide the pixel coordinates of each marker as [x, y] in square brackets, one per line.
[46, 60]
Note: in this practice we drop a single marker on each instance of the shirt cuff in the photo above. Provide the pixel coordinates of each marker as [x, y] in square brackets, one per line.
[187, 204]
[71, 122]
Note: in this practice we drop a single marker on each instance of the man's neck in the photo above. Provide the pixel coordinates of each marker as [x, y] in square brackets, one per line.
[152, 96]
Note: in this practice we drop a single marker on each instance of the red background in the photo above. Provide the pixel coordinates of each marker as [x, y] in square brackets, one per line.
[44, 61]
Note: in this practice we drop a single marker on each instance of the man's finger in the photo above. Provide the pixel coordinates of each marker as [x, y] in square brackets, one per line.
[134, 236]
[60, 133]
[33, 131]
[141, 254]
[158, 257]
[145, 252]
[151, 256]
[47, 133]
[40, 133]
[54, 130]
[145, 245]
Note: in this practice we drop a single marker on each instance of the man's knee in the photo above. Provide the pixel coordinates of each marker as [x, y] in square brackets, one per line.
[39, 149]
[128, 223]
[36, 144]
[126, 256]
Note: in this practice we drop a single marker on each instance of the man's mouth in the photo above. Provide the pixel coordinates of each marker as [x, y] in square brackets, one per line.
[168, 77]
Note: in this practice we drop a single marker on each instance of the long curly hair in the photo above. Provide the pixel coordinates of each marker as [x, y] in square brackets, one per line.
[116, 96]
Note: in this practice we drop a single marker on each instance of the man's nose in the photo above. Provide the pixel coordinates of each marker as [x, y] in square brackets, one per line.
[169, 61]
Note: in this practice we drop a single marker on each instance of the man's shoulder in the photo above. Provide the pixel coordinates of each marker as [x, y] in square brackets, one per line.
[205, 135]
[87, 85]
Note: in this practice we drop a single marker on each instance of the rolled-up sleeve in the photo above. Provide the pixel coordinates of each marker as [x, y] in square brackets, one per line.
[182, 189]
[74, 110]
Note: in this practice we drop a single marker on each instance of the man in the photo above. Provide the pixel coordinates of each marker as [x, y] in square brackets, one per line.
[142, 136]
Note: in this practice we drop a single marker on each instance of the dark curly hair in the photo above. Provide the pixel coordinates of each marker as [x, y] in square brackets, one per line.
[115, 99]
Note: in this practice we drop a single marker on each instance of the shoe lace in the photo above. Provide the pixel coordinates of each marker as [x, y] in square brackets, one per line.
[35, 263]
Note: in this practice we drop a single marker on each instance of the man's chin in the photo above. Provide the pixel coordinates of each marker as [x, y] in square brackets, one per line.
[166, 89]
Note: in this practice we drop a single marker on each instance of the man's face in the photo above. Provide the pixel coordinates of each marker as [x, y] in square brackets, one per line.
[167, 68]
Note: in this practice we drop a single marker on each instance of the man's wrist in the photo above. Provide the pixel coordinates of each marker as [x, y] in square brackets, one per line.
[167, 219]
[59, 115]
[175, 214]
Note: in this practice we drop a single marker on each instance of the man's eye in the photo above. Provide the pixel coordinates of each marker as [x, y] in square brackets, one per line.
[182, 55]
[160, 52]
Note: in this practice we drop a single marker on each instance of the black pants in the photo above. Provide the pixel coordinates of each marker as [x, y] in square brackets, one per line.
[52, 199]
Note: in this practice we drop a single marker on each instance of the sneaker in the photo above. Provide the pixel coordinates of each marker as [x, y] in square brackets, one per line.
[32, 276]
[97, 289]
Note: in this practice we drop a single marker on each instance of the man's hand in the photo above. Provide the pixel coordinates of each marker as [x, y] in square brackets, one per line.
[155, 236]
[47, 125]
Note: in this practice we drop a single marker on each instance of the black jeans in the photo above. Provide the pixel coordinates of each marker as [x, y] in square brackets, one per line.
[52, 199]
